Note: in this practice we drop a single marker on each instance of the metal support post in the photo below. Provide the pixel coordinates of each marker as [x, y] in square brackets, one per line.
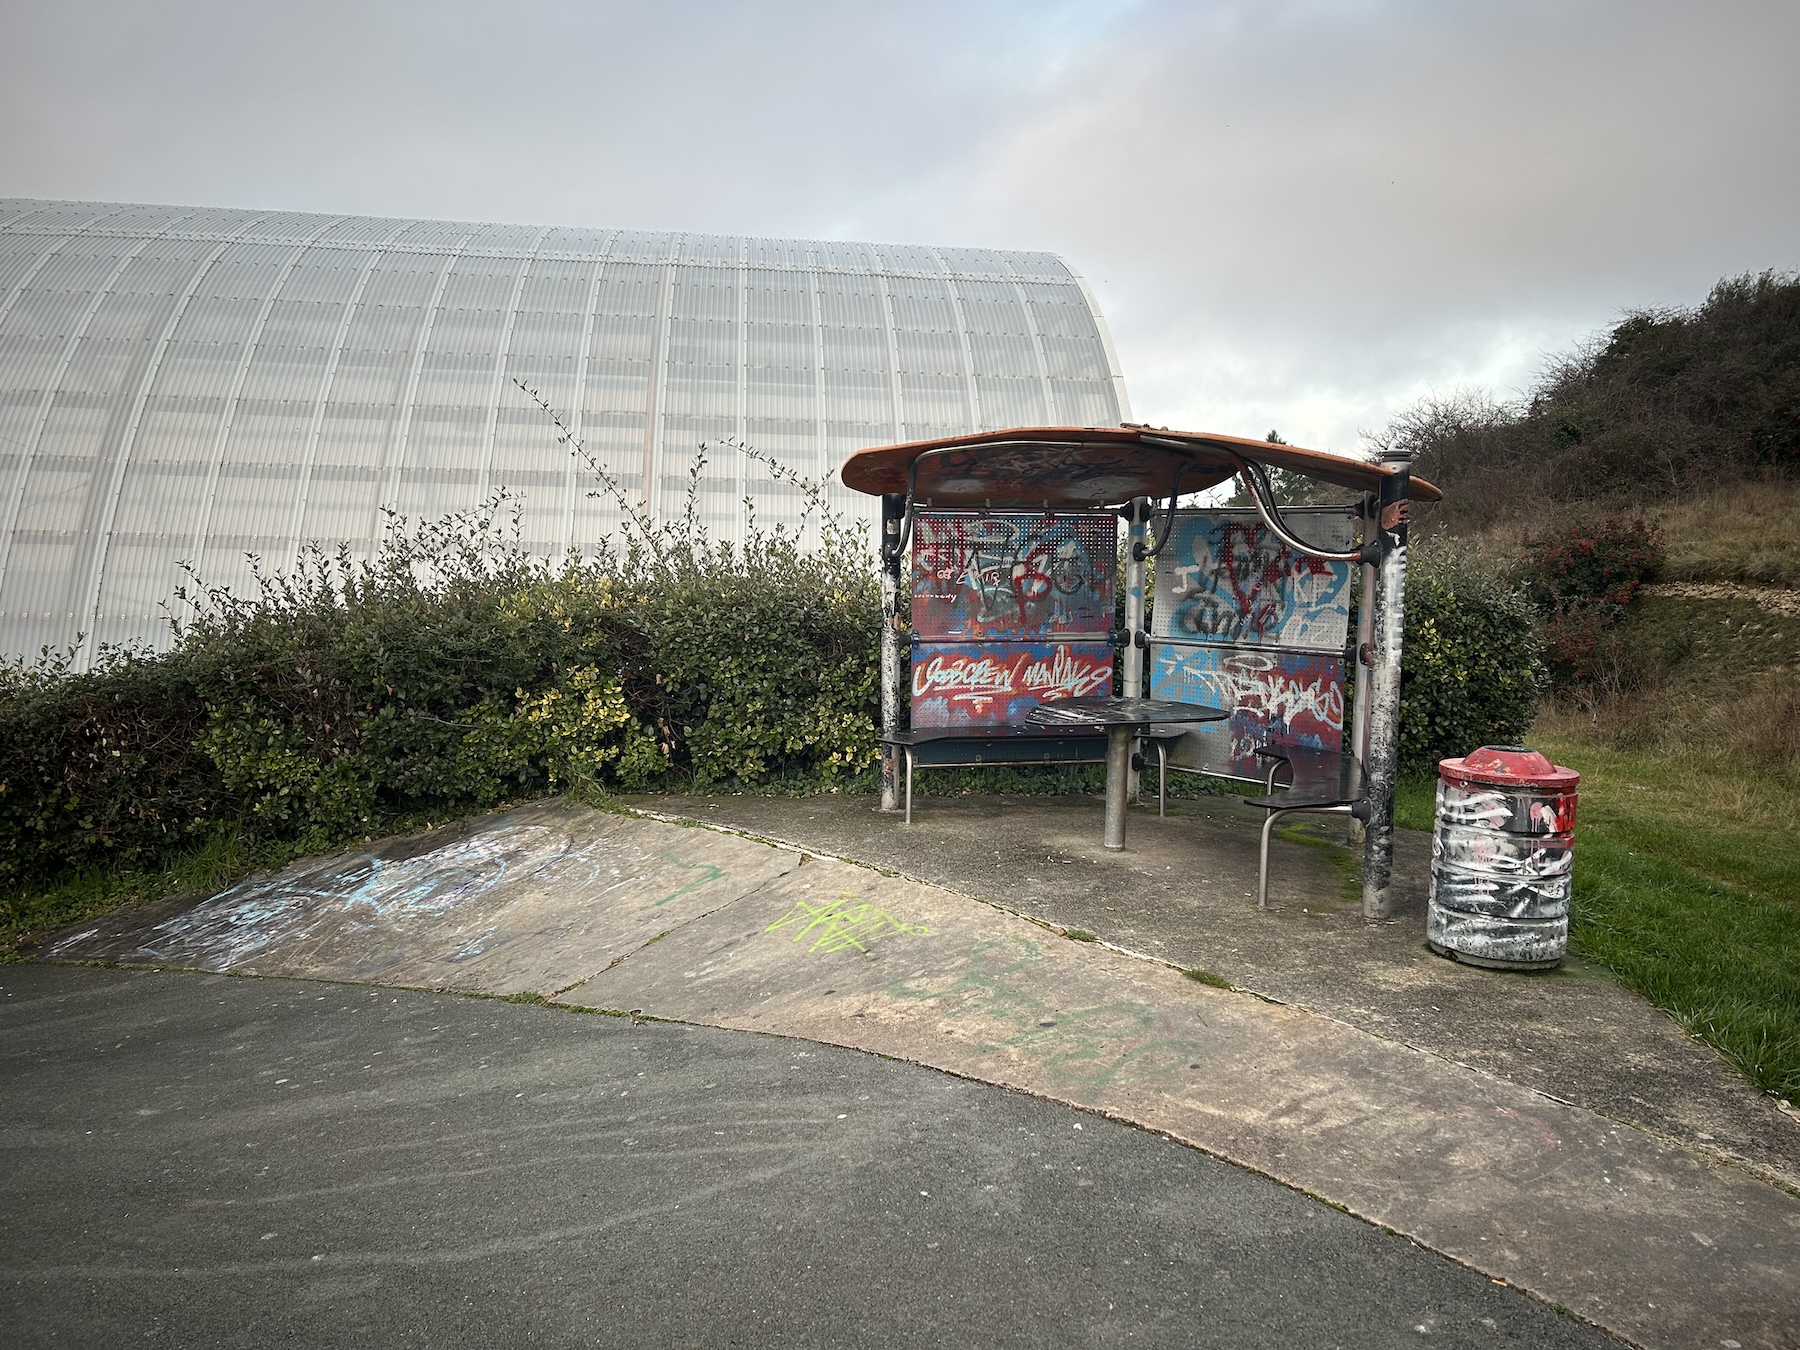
[1118, 760]
[1132, 667]
[893, 510]
[1387, 616]
[1358, 745]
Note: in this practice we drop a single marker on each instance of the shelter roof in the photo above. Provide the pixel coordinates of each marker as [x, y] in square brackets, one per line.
[1090, 466]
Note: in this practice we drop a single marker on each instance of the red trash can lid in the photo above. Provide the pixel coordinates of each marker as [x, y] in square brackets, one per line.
[1508, 766]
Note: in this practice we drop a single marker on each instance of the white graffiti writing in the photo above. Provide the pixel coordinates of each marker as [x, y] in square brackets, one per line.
[982, 678]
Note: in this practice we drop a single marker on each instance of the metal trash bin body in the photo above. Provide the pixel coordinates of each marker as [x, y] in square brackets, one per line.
[1501, 859]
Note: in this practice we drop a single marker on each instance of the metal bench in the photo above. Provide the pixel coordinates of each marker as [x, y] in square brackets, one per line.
[971, 747]
[1323, 781]
[1319, 781]
[1246, 620]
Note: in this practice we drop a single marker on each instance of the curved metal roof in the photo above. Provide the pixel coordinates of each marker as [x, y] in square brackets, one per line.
[204, 383]
[1057, 467]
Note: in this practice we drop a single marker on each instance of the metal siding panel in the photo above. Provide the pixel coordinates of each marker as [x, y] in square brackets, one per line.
[807, 348]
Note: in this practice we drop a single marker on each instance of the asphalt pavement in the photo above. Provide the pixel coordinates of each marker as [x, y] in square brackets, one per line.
[197, 1159]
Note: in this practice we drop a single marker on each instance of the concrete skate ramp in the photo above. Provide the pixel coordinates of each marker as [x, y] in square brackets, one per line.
[531, 901]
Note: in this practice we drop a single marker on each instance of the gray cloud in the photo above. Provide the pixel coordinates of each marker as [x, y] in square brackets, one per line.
[1300, 214]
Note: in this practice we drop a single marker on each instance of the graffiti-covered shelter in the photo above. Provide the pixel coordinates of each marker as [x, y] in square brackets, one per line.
[1003, 621]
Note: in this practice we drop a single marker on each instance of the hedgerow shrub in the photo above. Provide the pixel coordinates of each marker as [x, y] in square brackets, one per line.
[100, 768]
[1600, 562]
[451, 672]
[1582, 576]
[1472, 665]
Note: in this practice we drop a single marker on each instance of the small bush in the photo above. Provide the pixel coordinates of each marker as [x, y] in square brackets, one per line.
[101, 769]
[1472, 665]
[1599, 563]
[1582, 577]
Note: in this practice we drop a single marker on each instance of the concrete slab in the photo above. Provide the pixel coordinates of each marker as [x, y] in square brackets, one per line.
[1655, 1242]
[1636, 1234]
[1183, 891]
[529, 901]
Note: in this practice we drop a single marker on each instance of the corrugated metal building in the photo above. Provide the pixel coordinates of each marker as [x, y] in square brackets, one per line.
[202, 383]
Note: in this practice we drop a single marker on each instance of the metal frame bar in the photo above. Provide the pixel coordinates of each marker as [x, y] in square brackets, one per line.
[1131, 674]
[908, 763]
[1256, 484]
[1162, 776]
[1268, 828]
[891, 526]
[1387, 549]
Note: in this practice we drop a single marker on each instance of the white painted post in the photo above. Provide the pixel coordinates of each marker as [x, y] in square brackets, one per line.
[1387, 621]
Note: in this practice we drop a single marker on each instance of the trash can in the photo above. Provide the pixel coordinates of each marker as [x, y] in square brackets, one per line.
[1501, 858]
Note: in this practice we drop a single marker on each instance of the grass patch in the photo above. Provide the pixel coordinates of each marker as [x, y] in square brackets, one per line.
[29, 914]
[1687, 884]
[1415, 803]
[1079, 935]
[1347, 863]
[1741, 532]
[1687, 887]
[1207, 977]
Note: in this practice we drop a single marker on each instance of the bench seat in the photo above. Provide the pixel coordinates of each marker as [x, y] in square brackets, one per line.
[971, 747]
[1322, 781]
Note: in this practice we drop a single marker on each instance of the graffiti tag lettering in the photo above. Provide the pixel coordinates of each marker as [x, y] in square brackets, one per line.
[954, 684]
[842, 924]
[1085, 1049]
[1012, 576]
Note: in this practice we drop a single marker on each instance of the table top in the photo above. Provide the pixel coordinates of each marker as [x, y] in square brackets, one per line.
[1120, 712]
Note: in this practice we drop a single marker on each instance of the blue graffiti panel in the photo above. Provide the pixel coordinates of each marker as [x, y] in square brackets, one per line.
[1274, 697]
[1224, 578]
[1012, 576]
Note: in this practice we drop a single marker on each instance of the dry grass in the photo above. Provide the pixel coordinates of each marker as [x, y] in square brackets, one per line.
[1744, 530]
[1748, 531]
[1709, 678]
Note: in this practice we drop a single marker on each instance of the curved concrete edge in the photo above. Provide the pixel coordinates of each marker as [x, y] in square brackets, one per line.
[1717, 1156]
[1642, 1238]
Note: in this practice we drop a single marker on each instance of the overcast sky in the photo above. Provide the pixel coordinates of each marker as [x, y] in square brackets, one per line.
[1295, 215]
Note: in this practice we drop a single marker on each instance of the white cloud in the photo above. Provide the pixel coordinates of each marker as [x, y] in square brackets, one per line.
[1296, 213]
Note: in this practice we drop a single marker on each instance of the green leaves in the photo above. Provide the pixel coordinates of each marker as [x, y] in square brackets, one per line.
[450, 673]
[1472, 665]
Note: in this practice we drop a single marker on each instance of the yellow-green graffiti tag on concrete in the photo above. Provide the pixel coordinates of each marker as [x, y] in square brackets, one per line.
[838, 925]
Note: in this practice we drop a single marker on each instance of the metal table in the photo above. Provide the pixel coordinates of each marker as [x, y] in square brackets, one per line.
[1123, 719]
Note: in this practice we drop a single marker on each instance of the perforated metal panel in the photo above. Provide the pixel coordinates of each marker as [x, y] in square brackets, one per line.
[1009, 610]
[1244, 623]
[1012, 576]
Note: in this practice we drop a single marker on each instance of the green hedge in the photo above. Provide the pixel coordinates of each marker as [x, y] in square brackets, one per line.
[1472, 666]
[451, 673]
[454, 672]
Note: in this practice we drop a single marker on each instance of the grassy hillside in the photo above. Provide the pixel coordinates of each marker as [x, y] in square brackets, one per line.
[1686, 729]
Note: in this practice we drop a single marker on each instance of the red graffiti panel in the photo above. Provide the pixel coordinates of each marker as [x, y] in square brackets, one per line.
[958, 684]
[1012, 575]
